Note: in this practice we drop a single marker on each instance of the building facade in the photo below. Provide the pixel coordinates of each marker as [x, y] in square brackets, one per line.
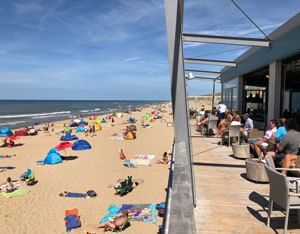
[266, 81]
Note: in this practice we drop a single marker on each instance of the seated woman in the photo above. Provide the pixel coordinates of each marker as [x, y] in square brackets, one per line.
[10, 187]
[204, 121]
[118, 222]
[260, 144]
[224, 124]
[164, 160]
[236, 116]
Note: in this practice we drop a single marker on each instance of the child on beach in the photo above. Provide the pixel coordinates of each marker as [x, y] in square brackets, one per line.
[118, 222]
[122, 155]
[10, 186]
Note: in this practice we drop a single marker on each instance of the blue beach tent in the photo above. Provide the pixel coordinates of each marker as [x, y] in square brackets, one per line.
[68, 137]
[132, 120]
[83, 123]
[80, 129]
[5, 132]
[52, 158]
[81, 145]
[104, 120]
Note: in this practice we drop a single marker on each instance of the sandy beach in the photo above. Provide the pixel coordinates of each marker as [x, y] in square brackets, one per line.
[43, 210]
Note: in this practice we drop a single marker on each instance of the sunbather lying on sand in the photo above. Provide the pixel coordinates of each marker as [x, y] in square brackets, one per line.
[118, 222]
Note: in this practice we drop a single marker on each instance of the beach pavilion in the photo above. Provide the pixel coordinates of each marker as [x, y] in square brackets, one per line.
[269, 71]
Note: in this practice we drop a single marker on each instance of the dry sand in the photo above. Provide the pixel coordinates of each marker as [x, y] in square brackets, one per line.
[42, 210]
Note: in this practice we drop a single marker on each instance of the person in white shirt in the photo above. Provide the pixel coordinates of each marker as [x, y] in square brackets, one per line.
[221, 111]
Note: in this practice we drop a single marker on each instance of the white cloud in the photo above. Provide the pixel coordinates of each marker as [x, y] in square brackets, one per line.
[27, 7]
[131, 59]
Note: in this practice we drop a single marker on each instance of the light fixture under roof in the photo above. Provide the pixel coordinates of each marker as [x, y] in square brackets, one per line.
[190, 76]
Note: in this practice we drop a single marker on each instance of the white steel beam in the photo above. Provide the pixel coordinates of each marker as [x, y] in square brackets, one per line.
[225, 40]
[210, 62]
[203, 72]
[200, 78]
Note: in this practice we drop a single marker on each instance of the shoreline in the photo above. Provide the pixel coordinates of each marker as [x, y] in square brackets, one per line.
[106, 113]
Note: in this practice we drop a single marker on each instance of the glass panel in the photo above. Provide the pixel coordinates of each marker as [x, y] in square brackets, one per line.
[234, 100]
[231, 84]
[291, 89]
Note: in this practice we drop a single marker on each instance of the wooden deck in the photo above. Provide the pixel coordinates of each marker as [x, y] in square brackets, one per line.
[226, 201]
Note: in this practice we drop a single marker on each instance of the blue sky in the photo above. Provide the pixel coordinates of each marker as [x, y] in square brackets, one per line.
[116, 49]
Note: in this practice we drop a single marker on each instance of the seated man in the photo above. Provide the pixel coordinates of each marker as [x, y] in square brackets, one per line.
[247, 126]
[118, 222]
[288, 146]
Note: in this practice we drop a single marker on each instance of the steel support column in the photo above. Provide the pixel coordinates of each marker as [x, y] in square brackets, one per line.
[213, 97]
[174, 16]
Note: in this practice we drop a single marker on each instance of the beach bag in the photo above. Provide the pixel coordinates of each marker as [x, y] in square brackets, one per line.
[91, 193]
[161, 209]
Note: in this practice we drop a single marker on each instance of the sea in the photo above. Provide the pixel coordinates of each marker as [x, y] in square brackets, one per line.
[20, 113]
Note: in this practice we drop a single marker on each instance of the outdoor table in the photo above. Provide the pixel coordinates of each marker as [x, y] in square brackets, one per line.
[256, 171]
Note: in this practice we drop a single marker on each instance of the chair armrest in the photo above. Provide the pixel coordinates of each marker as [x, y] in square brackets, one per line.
[293, 194]
[292, 178]
[287, 169]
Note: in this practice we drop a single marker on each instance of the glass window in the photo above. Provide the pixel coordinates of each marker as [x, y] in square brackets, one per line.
[230, 94]
[291, 89]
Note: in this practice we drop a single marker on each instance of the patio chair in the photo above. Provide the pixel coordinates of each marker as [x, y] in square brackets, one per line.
[212, 124]
[271, 164]
[234, 131]
[280, 194]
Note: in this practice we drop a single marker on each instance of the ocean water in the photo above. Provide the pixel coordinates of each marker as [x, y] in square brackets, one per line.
[20, 113]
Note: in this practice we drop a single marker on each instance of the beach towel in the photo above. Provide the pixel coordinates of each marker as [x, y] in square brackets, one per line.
[145, 156]
[138, 161]
[16, 193]
[16, 184]
[112, 212]
[118, 138]
[72, 220]
[127, 163]
[137, 212]
[7, 168]
[78, 195]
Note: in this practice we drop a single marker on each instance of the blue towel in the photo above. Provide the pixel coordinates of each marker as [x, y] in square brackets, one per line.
[72, 222]
[112, 211]
[8, 168]
[75, 194]
[126, 207]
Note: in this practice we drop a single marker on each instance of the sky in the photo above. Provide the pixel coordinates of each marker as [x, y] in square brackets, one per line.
[116, 49]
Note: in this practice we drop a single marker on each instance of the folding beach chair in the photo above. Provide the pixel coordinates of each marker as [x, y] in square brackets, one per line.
[29, 177]
[126, 187]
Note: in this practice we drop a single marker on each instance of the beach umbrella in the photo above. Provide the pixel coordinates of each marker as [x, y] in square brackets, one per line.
[64, 145]
[11, 138]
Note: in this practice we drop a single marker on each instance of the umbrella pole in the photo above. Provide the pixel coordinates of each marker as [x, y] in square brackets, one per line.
[65, 152]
